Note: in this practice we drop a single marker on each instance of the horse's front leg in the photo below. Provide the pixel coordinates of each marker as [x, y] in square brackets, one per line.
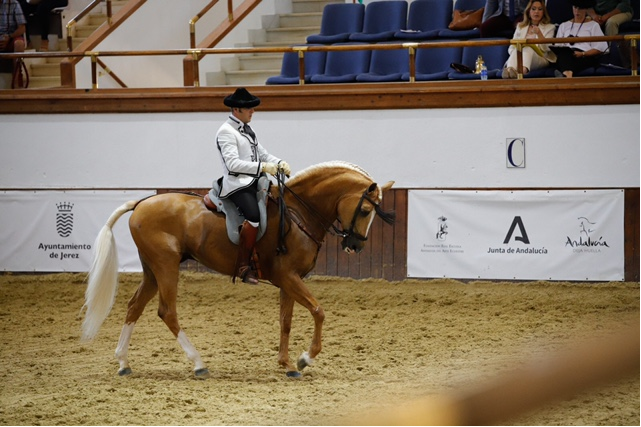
[286, 313]
[307, 358]
[295, 290]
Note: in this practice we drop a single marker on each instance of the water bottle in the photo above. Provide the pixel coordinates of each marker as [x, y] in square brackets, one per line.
[483, 71]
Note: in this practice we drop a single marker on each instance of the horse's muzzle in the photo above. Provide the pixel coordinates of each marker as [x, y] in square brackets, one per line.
[351, 244]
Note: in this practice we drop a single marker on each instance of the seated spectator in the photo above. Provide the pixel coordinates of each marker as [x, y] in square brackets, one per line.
[12, 29]
[609, 14]
[535, 25]
[499, 17]
[575, 57]
[37, 12]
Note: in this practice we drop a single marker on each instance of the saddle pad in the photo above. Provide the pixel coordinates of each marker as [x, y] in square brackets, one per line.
[234, 219]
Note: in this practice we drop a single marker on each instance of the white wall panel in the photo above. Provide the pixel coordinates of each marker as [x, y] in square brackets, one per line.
[578, 146]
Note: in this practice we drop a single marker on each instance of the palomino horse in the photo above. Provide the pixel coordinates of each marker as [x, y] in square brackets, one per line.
[170, 228]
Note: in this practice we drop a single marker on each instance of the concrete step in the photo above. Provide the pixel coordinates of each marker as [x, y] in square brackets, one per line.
[309, 19]
[302, 6]
[43, 82]
[96, 19]
[264, 62]
[290, 35]
[45, 70]
[84, 31]
[249, 77]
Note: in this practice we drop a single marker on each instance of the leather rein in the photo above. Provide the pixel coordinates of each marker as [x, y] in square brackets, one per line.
[328, 226]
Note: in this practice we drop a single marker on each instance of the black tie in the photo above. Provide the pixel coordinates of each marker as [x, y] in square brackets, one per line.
[512, 11]
[249, 131]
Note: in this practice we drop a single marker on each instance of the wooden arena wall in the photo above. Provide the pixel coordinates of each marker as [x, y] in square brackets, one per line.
[385, 254]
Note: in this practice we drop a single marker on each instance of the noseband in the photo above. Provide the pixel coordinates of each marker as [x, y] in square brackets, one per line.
[388, 217]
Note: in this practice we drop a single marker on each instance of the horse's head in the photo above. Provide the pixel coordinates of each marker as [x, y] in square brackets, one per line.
[357, 211]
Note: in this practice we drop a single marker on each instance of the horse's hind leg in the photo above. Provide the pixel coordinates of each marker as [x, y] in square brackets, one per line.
[137, 303]
[168, 288]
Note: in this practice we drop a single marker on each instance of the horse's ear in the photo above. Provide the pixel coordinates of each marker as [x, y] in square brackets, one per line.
[372, 187]
[387, 186]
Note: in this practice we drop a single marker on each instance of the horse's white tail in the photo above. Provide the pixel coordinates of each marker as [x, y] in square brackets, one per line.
[103, 276]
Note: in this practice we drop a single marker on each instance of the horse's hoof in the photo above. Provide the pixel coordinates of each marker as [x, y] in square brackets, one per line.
[293, 374]
[201, 374]
[304, 361]
[124, 371]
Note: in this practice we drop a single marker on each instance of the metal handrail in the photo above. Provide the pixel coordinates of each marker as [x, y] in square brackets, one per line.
[81, 15]
[302, 50]
[192, 22]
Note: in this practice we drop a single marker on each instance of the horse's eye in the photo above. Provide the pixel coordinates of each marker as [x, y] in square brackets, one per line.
[364, 213]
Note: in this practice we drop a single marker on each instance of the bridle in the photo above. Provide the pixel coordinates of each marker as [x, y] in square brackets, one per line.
[327, 225]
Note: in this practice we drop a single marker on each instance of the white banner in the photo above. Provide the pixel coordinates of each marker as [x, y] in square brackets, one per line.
[55, 230]
[520, 235]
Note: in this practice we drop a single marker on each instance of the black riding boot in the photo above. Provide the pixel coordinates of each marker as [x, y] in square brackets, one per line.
[246, 243]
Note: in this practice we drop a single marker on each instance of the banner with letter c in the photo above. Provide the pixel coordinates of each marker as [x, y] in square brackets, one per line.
[54, 231]
[516, 235]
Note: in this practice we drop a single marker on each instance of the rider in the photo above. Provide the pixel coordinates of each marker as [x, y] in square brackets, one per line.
[244, 161]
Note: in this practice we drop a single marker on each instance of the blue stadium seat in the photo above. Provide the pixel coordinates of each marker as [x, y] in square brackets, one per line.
[446, 33]
[494, 57]
[339, 21]
[425, 19]
[289, 72]
[343, 66]
[386, 66]
[382, 20]
[434, 63]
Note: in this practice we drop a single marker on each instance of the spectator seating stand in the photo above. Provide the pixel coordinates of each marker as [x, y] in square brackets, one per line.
[382, 20]
[338, 22]
[463, 5]
[386, 65]
[342, 66]
[425, 20]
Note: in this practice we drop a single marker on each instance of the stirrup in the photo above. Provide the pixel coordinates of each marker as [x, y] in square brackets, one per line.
[247, 275]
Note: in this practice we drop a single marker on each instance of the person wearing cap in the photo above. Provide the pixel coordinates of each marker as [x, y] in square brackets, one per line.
[244, 160]
[581, 55]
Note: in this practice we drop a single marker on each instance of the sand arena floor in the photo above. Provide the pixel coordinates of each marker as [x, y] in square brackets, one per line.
[384, 343]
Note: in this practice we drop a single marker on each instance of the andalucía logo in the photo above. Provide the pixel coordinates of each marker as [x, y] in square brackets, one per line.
[586, 241]
[64, 219]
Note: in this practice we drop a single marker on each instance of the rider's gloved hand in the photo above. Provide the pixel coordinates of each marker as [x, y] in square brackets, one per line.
[284, 167]
[270, 168]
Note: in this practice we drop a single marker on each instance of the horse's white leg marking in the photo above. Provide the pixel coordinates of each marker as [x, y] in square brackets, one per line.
[304, 360]
[123, 345]
[192, 353]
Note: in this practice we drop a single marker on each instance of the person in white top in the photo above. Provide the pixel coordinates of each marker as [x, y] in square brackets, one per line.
[581, 55]
[535, 25]
[244, 160]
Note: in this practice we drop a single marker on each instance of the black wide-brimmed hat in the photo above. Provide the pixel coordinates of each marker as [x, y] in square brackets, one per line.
[583, 4]
[242, 99]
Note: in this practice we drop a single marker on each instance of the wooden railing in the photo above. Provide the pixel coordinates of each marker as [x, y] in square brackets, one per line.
[73, 21]
[196, 54]
[67, 66]
[208, 6]
[234, 17]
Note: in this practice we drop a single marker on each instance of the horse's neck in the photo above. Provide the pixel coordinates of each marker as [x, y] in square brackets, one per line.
[321, 196]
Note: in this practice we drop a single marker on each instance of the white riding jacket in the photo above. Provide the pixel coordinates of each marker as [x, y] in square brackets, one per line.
[241, 156]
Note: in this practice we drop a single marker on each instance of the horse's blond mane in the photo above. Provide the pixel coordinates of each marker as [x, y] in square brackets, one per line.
[328, 165]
